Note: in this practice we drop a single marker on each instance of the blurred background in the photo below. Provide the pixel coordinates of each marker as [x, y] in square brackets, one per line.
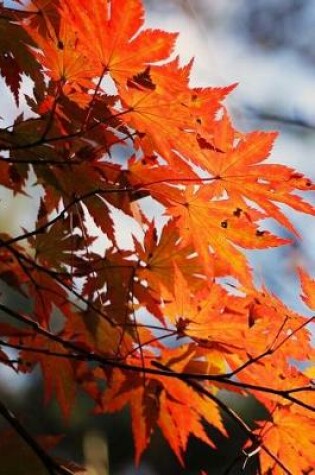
[267, 47]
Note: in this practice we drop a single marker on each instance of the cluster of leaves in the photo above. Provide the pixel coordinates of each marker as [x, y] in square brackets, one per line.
[162, 319]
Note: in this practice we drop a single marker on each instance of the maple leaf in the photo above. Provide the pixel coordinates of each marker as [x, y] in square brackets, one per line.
[89, 184]
[57, 247]
[159, 117]
[60, 383]
[91, 330]
[116, 282]
[172, 405]
[10, 268]
[287, 329]
[157, 258]
[217, 225]
[12, 74]
[149, 174]
[239, 173]
[163, 113]
[109, 34]
[290, 437]
[204, 317]
[60, 56]
[14, 60]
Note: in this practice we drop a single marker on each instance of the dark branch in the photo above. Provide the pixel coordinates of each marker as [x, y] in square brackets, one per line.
[48, 462]
[84, 355]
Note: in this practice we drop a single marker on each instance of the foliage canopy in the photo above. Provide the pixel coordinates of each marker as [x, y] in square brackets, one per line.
[177, 317]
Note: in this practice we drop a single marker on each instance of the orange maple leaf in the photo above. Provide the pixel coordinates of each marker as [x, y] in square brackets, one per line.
[61, 383]
[171, 404]
[109, 32]
[291, 438]
[239, 173]
[157, 258]
[204, 317]
[219, 226]
[59, 53]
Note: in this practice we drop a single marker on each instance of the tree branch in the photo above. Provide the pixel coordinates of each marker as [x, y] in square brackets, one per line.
[84, 355]
[48, 462]
[58, 138]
